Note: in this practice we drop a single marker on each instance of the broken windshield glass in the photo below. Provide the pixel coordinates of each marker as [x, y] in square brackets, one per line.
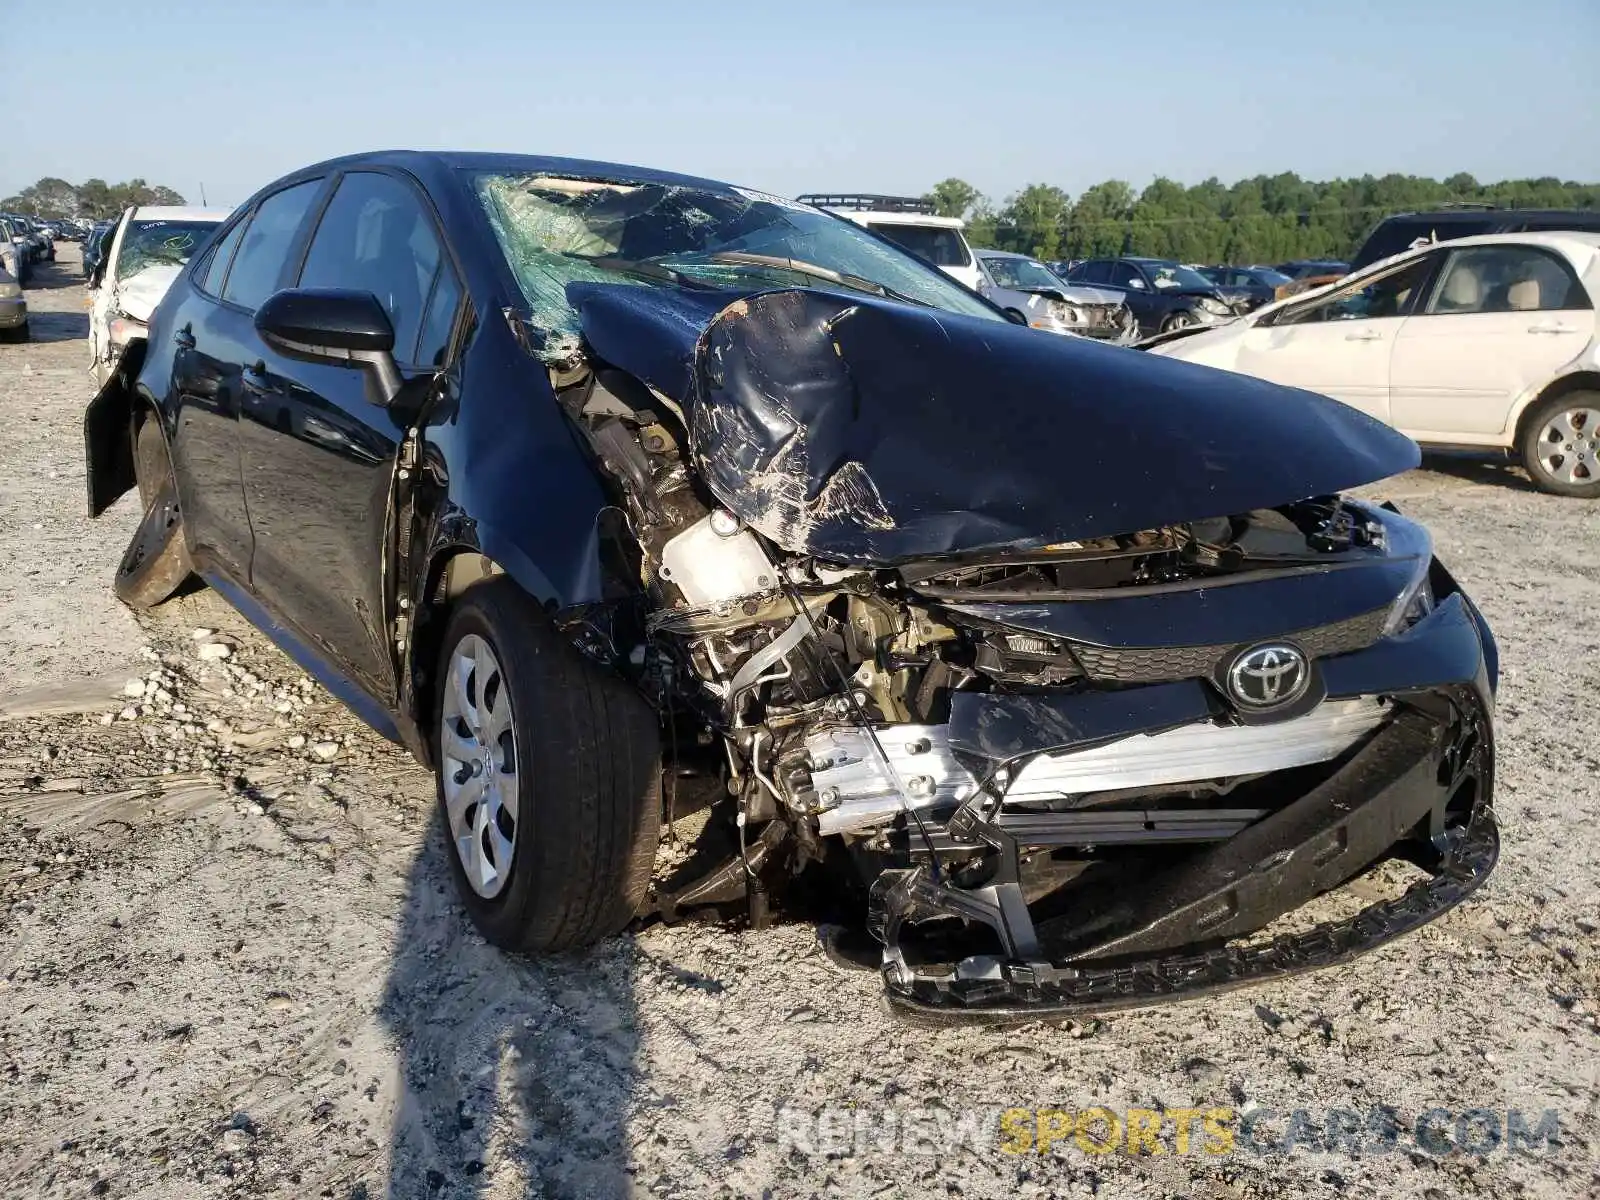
[556, 230]
[146, 243]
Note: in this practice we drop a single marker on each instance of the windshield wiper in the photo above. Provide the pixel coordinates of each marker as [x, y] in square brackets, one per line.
[859, 283]
[649, 268]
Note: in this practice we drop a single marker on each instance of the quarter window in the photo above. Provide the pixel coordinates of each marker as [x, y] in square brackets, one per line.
[217, 265]
[1499, 279]
[374, 237]
[434, 342]
[259, 263]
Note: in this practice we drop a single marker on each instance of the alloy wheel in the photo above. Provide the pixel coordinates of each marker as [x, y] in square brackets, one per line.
[1569, 446]
[478, 765]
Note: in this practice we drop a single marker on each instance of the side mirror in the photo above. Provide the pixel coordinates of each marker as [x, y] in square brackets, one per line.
[1136, 283]
[1015, 317]
[333, 325]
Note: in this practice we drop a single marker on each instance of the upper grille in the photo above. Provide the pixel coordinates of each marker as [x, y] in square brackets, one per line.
[1156, 664]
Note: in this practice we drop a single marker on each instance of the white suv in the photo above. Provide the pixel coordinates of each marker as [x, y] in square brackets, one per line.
[910, 224]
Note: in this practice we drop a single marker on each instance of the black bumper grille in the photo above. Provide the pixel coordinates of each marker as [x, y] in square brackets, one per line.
[1157, 664]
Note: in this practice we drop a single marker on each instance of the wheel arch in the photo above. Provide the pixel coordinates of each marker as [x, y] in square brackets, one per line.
[1575, 381]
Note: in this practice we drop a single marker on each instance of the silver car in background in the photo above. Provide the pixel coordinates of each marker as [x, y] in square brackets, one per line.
[1027, 287]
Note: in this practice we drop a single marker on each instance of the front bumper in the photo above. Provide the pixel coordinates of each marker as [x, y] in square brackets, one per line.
[13, 312]
[1417, 786]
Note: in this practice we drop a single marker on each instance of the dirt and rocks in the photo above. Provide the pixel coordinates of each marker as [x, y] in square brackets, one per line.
[231, 964]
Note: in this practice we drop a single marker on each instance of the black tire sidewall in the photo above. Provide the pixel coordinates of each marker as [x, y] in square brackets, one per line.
[500, 916]
[549, 881]
[1533, 426]
[165, 563]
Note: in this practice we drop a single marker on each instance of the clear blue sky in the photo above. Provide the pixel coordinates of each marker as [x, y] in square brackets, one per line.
[809, 94]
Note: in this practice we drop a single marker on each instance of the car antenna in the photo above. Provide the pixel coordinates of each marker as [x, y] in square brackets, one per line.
[804, 614]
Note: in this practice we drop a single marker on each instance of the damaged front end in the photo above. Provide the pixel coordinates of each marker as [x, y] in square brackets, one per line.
[1032, 654]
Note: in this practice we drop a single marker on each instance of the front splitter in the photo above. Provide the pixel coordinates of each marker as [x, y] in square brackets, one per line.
[1020, 996]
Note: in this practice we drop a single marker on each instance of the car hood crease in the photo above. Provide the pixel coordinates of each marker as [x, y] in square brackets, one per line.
[869, 432]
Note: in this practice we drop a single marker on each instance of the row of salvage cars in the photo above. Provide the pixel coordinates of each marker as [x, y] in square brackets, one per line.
[1067, 671]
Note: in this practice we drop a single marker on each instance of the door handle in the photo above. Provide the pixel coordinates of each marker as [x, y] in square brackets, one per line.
[1363, 335]
[184, 338]
[1552, 327]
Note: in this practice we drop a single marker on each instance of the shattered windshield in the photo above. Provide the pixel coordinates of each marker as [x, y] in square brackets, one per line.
[147, 243]
[1022, 274]
[556, 230]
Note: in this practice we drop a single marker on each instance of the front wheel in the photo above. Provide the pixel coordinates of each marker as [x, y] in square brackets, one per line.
[1179, 320]
[156, 562]
[548, 773]
[1561, 445]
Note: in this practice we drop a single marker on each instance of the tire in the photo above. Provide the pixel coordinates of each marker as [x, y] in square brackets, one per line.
[1560, 445]
[1178, 320]
[575, 759]
[156, 562]
[20, 334]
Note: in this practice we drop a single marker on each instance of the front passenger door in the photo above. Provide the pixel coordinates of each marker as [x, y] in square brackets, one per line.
[319, 459]
[1339, 344]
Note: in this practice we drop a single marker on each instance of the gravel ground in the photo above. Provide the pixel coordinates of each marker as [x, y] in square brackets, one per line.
[230, 963]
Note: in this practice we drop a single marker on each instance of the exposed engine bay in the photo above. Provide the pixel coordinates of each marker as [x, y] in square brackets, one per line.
[1000, 760]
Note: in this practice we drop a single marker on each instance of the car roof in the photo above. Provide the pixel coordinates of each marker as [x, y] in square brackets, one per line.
[420, 161]
[179, 212]
[1470, 213]
[1003, 254]
[1555, 238]
[877, 217]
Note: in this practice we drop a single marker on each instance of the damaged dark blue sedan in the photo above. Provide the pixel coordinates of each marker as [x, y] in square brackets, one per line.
[621, 497]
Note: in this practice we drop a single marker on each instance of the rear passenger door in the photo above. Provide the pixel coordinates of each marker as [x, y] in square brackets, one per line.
[1501, 320]
[319, 455]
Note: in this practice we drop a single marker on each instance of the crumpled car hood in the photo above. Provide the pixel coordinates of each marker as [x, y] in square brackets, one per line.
[138, 294]
[871, 432]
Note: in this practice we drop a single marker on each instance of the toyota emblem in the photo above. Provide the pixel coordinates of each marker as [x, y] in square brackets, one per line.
[1269, 676]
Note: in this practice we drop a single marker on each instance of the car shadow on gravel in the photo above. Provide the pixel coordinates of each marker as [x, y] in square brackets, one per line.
[1487, 471]
[510, 1066]
[59, 327]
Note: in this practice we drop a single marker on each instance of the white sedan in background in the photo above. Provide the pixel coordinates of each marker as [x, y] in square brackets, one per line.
[145, 253]
[1482, 343]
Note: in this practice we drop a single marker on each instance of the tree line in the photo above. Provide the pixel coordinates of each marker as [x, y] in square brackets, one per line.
[94, 199]
[1266, 218]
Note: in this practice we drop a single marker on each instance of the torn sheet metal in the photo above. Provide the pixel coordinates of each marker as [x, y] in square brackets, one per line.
[868, 431]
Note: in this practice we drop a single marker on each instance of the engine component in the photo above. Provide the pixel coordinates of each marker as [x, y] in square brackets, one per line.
[710, 566]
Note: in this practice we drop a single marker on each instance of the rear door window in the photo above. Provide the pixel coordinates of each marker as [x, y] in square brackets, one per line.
[1502, 279]
[375, 237]
[941, 246]
[259, 263]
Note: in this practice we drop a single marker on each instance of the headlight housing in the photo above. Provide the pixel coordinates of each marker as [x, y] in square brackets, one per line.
[9, 290]
[123, 329]
[1215, 307]
[1416, 599]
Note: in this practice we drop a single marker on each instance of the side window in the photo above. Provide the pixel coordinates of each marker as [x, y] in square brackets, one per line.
[434, 341]
[258, 264]
[216, 269]
[1389, 295]
[1125, 275]
[374, 237]
[1500, 279]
